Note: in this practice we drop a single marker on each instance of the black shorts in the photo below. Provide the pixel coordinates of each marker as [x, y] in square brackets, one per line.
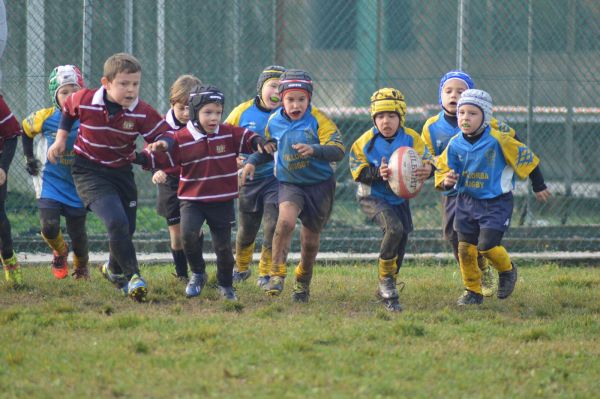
[65, 210]
[372, 206]
[315, 202]
[473, 214]
[167, 203]
[216, 214]
[256, 193]
[94, 181]
[448, 213]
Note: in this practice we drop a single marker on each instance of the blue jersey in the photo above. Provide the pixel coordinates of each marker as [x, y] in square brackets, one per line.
[437, 133]
[371, 147]
[252, 117]
[487, 167]
[313, 128]
[54, 180]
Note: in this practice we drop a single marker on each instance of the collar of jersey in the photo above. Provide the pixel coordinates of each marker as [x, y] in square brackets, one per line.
[98, 99]
[197, 134]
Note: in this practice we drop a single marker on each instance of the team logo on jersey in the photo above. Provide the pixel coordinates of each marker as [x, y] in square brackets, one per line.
[251, 125]
[309, 136]
[490, 156]
[128, 125]
[525, 156]
[220, 148]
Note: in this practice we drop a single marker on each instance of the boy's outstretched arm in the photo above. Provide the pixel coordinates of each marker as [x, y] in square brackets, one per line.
[538, 185]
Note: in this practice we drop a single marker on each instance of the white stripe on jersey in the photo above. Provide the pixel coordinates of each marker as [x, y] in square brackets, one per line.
[242, 140]
[135, 115]
[100, 161]
[109, 128]
[210, 177]
[113, 147]
[231, 154]
[154, 128]
[92, 108]
[7, 118]
[234, 193]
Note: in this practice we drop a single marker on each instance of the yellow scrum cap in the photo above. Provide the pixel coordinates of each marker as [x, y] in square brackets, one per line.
[388, 100]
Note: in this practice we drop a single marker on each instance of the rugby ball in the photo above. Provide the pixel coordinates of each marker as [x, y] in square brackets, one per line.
[403, 166]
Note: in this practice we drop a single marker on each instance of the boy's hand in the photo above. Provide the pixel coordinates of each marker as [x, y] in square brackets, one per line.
[239, 160]
[384, 171]
[267, 148]
[2, 177]
[33, 166]
[451, 179]
[543, 195]
[158, 146]
[305, 150]
[55, 151]
[247, 173]
[159, 177]
[424, 172]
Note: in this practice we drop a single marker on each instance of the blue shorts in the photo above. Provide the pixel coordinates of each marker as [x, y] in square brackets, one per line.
[65, 210]
[448, 213]
[474, 214]
[372, 206]
[315, 202]
[256, 193]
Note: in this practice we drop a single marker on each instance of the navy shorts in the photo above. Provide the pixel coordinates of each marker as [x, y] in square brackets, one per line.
[256, 193]
[65, 210]
[167, 203]
[315, 202]
[474, 214]
[448, 213]
[216, 214]
[94, 181]
[372, 206]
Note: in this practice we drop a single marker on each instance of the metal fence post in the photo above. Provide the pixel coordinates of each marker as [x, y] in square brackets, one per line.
[160, 51]
[86, 45]
[36, 53]
[366, 46]
[569, 118]
[460, 34]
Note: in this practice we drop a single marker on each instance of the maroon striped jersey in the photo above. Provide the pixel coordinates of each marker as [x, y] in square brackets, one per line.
[208, 169]
[110, 141]
[170, 119]
[9, 126]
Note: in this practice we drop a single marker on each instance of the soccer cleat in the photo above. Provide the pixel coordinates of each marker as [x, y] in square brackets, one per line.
[238, 277]
[12, 271]
[263, 282]
[118, 280]
[506, 282]
[489, 283]
[228, 293]
[60, 267]
[195, 285]
[470, 298]
[81, 273]
[301, 292]
[393, 305]
[275, 286]
[387, 288]
[136, 288]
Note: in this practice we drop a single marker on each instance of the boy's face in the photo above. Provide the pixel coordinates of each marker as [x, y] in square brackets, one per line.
[295, 103]
[124, 88]
[209, 117]
[181, 112]
[387, 123]
[451, 92]
[269, 93]
[470, 119]
[64, 92]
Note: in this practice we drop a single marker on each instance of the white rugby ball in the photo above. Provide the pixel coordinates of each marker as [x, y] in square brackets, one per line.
[403, 166]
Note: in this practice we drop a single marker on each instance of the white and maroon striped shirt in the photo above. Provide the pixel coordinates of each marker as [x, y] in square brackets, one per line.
[111, 141]
[9, 126]
[208, 169]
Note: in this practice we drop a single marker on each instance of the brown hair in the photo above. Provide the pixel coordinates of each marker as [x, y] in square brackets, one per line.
[120, 62]
[180, 90]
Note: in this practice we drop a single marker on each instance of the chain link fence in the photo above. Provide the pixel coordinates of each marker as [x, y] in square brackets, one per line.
[540, 60]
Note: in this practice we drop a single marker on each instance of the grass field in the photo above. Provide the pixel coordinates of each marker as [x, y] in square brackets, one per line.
[73, 339]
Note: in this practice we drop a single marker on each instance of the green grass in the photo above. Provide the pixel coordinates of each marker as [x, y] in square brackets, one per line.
[73, 339]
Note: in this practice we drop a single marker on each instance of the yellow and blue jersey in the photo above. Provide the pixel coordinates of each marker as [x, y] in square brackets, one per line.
[371, 147]
[313, 128]
[54, 180]
[487, 167]
[437, 132]
[249, 115]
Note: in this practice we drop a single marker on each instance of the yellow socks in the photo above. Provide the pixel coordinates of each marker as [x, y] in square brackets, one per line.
[303, 273]
[79, 262]
[58, 244]
[243, 257]
[467, 255]
[499, 258]
[482, 262]
[278, 270]
[266, 259]
[387, 267]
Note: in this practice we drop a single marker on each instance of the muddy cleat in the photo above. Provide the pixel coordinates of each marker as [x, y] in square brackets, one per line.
[470, 298]
[393, 305]
[489, 283]
[12, 271]
[387, 288]
[136, 289]
[228, 293]
[60, 267]
[301, 292]
[118, 280]
[506, 282]
[263, 282]
[275, 286]
[81, 273]
[238, 277]
[195, 285]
